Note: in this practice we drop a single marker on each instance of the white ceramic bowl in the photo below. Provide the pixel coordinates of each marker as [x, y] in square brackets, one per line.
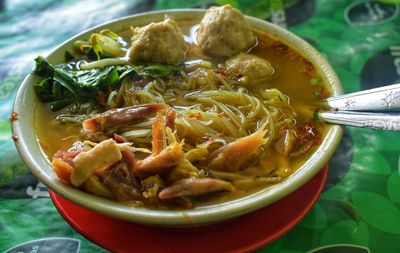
[32, 155]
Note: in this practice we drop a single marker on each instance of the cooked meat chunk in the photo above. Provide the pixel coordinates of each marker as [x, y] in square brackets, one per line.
[249, 68]
[224, 32]
[232, 156]
[119, 116]
[121, 181]
[160, 42]
[195, 187]
[102, 156]
[162, 163]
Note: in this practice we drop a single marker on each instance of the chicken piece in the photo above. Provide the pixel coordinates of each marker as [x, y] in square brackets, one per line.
[195, 187]
[224, 32]
[232, 156]
[102, 156]
[160, 42]
[119, 138]
[67, 156]
[120, 116]
[249, 68]
[121, 181]
[163, 158]
[129, 159]
[170, 119]
[162, 163]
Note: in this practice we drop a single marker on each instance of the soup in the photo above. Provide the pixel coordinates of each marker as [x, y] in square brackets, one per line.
[184, 115]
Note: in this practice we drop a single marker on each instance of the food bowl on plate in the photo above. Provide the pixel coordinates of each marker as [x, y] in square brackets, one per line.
[227, 136]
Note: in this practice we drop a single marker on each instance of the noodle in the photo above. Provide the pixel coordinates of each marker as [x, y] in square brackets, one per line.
[197, 120]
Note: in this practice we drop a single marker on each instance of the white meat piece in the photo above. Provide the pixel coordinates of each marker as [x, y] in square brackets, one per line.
[224, 32]
[160, 42]
[102, 156]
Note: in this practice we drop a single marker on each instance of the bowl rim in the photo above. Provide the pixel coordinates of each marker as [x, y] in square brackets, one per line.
[197, 216]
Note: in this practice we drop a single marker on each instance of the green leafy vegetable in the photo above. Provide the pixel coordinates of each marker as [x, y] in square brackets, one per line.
[43, 68]
[43, 90]
[65, 84]
[59, 104]
[157, 70]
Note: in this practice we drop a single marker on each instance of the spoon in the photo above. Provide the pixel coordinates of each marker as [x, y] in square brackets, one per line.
[377, 108]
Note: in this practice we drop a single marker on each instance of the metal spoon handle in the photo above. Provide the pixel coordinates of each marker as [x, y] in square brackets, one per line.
[379, 99]
[381, 121]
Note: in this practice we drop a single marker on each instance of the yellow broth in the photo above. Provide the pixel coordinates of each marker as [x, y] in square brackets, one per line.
[294, 76]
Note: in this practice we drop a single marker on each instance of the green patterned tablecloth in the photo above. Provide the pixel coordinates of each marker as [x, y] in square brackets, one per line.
[359, 209]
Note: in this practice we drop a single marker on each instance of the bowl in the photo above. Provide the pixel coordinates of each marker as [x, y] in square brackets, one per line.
[30, 151]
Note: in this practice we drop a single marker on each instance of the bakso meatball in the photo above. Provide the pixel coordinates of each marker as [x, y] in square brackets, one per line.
[224, 32]
[160, 42]
[249, 68]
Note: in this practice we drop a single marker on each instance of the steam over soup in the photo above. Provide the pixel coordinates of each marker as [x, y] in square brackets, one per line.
[158, 117]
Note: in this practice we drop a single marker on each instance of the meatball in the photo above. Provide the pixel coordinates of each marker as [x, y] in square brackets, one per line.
[224, 32]
[160, 42]
[250, 68]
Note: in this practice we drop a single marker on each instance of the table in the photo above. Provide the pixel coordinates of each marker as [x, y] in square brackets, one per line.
[359, 208]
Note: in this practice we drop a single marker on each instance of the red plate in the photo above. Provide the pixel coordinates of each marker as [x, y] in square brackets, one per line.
[242, 234]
